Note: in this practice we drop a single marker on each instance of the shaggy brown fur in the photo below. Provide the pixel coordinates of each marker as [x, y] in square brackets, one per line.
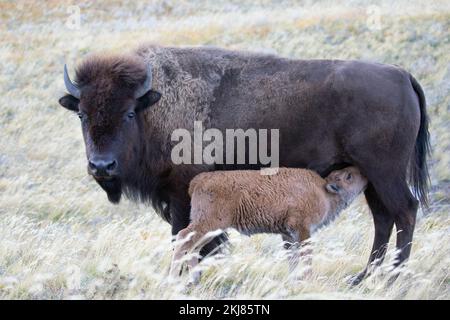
[294, 203]
[122, 70]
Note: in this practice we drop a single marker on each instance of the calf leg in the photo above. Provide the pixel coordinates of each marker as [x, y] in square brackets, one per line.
[190, 241]
[300, 248]
[288, 241]
[185, 243]
[180, 213]
[291, 243]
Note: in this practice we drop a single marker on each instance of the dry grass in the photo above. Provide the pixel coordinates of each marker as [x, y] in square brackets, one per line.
[60, 238]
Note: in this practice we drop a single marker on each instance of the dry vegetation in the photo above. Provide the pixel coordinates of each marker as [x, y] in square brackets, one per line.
[60, 238]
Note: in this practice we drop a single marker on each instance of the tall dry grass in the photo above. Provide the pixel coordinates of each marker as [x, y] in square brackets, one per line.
[60, 238]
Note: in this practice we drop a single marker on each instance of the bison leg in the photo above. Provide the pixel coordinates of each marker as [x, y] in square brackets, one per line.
[396, 205]
[384, 224]
[179, 215]
[405, 222]
[214, 246]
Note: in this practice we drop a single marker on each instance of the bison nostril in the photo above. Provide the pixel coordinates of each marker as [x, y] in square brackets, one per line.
[102, 167]
[111, 166]
[92, 165]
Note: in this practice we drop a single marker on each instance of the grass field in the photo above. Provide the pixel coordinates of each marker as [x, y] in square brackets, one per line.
[59, 236]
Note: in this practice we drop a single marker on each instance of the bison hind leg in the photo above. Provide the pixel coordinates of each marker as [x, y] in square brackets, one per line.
[391, 202]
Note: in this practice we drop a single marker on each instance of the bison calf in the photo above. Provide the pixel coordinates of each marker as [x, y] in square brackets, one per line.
[294, 203]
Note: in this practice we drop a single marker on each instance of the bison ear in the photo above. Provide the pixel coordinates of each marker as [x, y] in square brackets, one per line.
[69, 102]
[147, 100]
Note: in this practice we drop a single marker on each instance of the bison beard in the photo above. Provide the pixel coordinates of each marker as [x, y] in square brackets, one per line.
[113, 189]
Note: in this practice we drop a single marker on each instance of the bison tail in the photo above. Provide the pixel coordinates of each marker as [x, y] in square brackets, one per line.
[418, 176]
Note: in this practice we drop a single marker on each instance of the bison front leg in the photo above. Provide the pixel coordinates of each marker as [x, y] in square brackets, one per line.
[179, 215]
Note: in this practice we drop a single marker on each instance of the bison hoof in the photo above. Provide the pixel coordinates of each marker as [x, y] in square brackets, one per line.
[356, 279]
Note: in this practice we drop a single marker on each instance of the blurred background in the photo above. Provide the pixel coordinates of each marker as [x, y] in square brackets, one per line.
[60, 237]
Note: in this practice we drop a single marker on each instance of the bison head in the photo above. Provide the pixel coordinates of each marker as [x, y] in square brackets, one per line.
[110, 95]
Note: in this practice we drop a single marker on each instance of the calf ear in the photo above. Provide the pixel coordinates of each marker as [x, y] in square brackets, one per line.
[69, 102]
[147, 100]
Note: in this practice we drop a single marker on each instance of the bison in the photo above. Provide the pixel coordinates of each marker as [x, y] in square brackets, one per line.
[330, 114]
[293, 203]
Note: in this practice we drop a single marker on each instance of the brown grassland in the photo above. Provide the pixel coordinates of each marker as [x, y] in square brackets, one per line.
[59, 236]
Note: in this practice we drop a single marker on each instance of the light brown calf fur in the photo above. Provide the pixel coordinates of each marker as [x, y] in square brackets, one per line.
[293, 202]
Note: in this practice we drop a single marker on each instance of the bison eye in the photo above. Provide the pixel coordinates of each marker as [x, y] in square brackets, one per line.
[80, 115]
[131, 115]
[349, 176]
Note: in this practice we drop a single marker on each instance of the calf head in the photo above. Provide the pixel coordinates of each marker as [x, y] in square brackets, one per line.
[347, 183]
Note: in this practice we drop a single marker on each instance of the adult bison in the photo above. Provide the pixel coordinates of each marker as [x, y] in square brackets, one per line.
[329, 113]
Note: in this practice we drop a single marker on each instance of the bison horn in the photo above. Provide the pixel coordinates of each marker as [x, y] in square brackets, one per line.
[70, 86]
[146, 86]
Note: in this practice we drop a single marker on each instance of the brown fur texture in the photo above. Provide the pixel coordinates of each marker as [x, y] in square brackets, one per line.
[124, 70]
[293, 203]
